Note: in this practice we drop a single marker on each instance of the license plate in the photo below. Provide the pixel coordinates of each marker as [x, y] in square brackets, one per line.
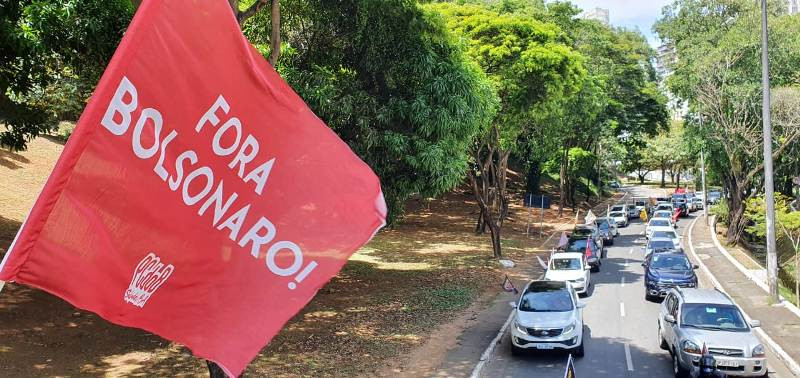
[728, 363]
[544, 346]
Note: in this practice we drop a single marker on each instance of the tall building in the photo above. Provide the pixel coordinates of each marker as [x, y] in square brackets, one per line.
[666, 59]
[793, 6]
[599, 14]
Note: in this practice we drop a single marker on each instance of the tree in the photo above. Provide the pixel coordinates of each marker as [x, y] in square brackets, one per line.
[392, 82]
[719, 74]
[529, 64]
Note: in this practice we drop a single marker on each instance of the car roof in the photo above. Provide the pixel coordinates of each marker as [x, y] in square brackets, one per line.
[617, 212]
[711, 296]
[542, 286]
[660, 239]
[568, 255]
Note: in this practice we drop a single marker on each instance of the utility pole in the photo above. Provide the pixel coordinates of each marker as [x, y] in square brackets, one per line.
[769, 186]
[705, 190]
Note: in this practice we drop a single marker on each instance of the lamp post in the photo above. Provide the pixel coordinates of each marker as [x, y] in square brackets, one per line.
[769, 186]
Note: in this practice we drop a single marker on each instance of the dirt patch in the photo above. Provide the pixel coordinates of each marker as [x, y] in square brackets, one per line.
[388, 301]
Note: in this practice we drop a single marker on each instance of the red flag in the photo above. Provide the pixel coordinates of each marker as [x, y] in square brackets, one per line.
[588, 247]
[198, 197]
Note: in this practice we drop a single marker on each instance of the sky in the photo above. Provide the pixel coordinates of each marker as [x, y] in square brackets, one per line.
[633, 14]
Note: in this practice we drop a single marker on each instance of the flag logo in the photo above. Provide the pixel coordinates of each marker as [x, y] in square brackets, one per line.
[149, 275]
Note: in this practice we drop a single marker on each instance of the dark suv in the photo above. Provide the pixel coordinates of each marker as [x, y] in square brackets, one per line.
[663, 271]
[579, 245]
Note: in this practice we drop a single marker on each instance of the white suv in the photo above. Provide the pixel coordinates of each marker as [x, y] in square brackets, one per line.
[692, 318]
[548, 316]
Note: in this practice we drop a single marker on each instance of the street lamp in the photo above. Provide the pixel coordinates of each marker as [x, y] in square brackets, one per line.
[769, 186]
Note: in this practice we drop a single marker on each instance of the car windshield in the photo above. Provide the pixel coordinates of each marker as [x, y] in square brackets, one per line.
[670, 263]
[584, 232]
[617, 214]
[662, 214]
[546, 301]
[565, 264]
[659, 223]
[603, 225]
[664, 234]
[617, 208]
[712, 317]
[577, 246]
[660, 244]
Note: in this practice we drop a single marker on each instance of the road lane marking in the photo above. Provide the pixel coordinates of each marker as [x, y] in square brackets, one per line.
[628, 357]
[623, 285]
[622, 309]
[630, 252]
[626, 265]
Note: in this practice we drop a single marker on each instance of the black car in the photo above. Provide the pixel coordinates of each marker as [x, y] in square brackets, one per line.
[587, 230]
[579, 245]
[663, 271]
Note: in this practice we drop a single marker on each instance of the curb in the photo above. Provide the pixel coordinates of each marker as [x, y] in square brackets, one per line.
[489, 351]
[776, 348]
[789, 306]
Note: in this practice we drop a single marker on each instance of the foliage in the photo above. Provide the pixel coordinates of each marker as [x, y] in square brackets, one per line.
[392, 82]
[755, 213]
[51, 55]
[721, 211]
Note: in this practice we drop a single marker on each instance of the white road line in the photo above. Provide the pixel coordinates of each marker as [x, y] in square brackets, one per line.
[626, 265]
[628, 357]
[622, 309]
[630, 252]
[623, 285]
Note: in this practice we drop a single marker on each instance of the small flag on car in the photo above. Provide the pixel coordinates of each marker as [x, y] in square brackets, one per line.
[562, 242]
[509, 286]
[570, 371]
[588, 247]
[590, 217]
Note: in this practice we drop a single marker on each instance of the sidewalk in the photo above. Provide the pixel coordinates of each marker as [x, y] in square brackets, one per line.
[778, 322]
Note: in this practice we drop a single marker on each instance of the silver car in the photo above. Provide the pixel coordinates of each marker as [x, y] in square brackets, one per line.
[692, 318]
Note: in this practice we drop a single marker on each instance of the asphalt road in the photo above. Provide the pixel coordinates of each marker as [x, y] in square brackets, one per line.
[620, 326]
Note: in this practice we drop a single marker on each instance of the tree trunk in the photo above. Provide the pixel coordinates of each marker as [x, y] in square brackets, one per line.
[480, 224]
[534, 178]
[275, 39]
[663, 172]
[562, 175]
[588, 183]
[678, 184]
[736, 221]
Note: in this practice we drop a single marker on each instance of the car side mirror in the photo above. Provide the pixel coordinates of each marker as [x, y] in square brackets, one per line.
[581, 305]
[695, 266]
[512, 304]
[669, 318]
[755, 323]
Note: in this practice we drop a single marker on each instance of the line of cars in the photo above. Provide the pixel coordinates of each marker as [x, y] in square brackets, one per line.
[549, 314]
[695, 325]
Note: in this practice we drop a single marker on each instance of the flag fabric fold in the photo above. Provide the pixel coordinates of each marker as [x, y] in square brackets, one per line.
[198, 198]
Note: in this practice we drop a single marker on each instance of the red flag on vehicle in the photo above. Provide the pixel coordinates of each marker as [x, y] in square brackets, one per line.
[198, 198]
[588, 247]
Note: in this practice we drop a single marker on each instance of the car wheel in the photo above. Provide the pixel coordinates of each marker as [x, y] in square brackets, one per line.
[647, 297]
[578, 351]
[677, 369]
[662, 343]
[595, 269]
[515, 350]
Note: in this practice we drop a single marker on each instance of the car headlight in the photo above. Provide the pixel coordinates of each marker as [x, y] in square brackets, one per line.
[520, 328]
[758, 351]
[689, 346]
[569, 328]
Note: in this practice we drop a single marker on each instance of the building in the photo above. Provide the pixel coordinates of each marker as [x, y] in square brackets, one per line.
[599, 14]
[665, 61]
[793, 6]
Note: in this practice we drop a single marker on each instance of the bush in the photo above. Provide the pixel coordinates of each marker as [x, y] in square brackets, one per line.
[721, 211]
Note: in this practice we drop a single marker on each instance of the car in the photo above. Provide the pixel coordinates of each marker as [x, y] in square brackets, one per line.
[579, 245]
[547, 316]
[714, 197]
[621, 207]
[620, 218]
[690, 318]
[658, 224]
[666, 206]
[669, 234]
[658, 245]
[606, 231]
[641, 204]
[663, 271]
[614, 184]
[698, 203]
[690, 196]
[587, 230]
[570, 267]
[663, 214]
[610, 222]
[632, 212]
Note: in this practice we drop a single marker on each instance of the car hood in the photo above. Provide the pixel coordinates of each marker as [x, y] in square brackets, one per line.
[545, 319]
[563, 275]
[675, 275]
[722, 339]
